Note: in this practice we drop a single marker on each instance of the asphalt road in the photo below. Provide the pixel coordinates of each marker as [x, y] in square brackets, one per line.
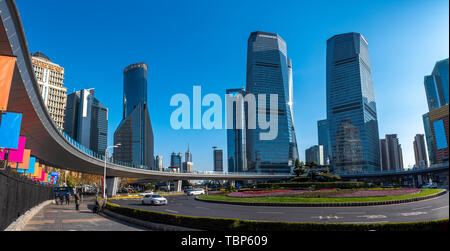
[431, 209]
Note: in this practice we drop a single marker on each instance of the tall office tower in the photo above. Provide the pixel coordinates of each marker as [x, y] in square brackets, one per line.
[315, 154]
[50, 78]
[420, 151]
[188, 167]
[159, 163]
[236, 136]
[269, 71]
[218, 160]
[438, 122]
[351, 107]
[135, 131]
[86, 120]
[188, 155]
[436, 89]
[391, 153]
[324, 139]
[175, 160]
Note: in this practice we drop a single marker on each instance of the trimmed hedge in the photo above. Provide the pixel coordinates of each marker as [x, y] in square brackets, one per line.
[316, 185]
[222, 224]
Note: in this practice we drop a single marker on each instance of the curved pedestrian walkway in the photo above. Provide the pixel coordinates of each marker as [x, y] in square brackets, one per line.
[65, 218]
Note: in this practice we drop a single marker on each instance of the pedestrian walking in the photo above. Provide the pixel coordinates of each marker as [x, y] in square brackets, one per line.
[61, 198]
[67, 198]
[77, 200]
[56, 198]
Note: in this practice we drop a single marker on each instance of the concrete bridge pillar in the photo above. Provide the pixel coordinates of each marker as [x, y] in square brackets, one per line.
[232, 183]
[112, 186]
[178, 184]
[168, 186]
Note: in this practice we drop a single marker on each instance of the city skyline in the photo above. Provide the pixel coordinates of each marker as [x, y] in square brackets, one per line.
[306, 137]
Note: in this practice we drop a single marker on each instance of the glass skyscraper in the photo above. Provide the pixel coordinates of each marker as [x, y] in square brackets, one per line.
[135, 131]
[269, 71]
[86, 120]
[324, 139]
[351, 107]
[236, 137]
[437, 93]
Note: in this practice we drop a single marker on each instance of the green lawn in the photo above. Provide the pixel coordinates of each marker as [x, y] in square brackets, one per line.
[286, 199]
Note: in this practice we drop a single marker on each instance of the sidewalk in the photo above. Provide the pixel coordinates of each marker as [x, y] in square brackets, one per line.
[66, 218]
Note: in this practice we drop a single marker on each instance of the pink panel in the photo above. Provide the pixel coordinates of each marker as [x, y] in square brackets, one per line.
[2, 154]
[16, 155]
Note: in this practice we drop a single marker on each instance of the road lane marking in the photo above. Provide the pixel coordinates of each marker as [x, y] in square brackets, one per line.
[203, 208]
[269, 212]
[420, 208]
[373, 216]
[413, 213]
[439, 208]
[327, 217]
[171, 211]
[351, 213]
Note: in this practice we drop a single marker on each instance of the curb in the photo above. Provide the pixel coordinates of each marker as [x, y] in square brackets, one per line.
[147, 224]
[331, 204]
[20, 222]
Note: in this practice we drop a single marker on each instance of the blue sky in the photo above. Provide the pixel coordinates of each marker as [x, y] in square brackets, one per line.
[204, 43]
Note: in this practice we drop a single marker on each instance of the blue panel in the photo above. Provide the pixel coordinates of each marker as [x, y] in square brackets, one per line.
[10, 129]
[439, 132]
[31, 165]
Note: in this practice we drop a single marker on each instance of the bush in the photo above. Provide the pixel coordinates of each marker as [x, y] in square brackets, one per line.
[215, 224]
[315, 185]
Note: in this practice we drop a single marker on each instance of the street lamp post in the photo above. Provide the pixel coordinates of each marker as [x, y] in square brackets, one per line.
[104, 169]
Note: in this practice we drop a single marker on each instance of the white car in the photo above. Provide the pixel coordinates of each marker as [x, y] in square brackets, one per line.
[153, 199]
[195, 192]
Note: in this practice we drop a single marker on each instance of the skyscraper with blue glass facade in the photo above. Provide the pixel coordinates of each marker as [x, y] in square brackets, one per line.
[437, 93]
[324, 139]
[351, 106]
[135, 130]
[269, 71]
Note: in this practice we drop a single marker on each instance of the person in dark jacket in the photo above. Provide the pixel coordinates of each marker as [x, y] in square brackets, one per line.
[67, 198]
[77, 200]
[61, 198]
[56, 198]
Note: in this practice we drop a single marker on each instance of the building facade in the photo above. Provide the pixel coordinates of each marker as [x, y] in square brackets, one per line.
[176, 160]
[236, 134]
[391, 153]
[218, 160]
[135, 131]
[86, 120]
[269, 71]
[351, 106]
[159, 163]
[440, 132]
[324, 139]
[420, 151]
[50, 77]
[437, 93]
[315, 154]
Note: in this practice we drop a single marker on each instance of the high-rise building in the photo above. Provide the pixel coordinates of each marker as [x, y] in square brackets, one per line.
[420, 151]
[324, 139]
[218, 160]
[391, 153]
[351, 106]
[159, 163]
[135, 131]
[315, 154]
[236, 136]
[50, 77]
[188, 155]
[437, 93]
[86, 120]
[269, 71]
[438, 120]
[188, 167]
[175, 160]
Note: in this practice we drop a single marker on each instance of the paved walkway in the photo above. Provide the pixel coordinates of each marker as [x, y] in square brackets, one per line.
[66, 218]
